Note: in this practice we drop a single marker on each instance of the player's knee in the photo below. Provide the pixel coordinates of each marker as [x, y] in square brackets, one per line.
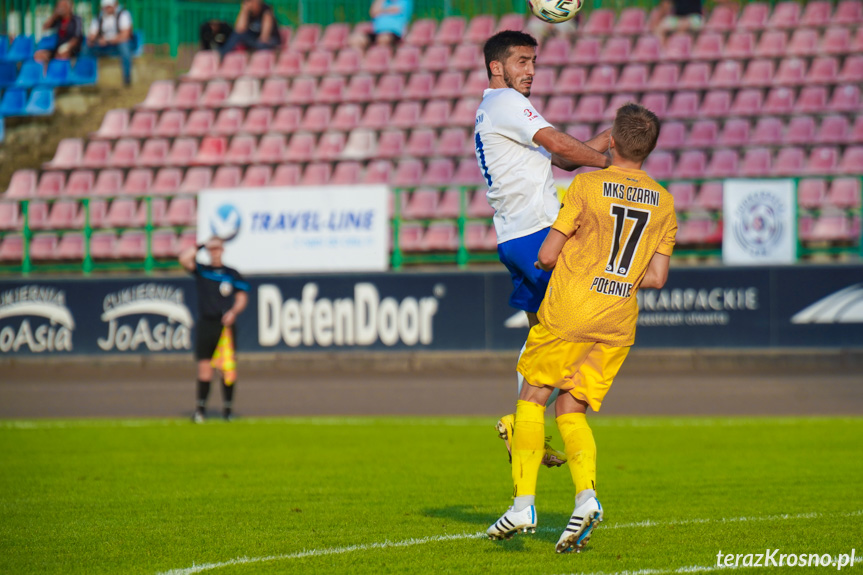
[205, 370]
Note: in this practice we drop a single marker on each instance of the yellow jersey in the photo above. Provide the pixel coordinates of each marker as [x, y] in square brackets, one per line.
[615, 220]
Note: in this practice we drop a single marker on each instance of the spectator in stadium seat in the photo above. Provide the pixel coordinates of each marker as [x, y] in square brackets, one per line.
[110, 34]
[69, 30]
[390, 20]
[222, 296]
[256, 28]
[214, 34]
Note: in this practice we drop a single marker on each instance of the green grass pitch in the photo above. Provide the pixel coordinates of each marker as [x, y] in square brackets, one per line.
[397, 495]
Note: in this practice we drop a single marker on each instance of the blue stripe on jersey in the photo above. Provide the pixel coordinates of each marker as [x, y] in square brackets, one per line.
[481, 154]
[238, 284]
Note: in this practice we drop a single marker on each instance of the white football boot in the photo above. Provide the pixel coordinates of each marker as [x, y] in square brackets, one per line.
[512, 522]
[584, 519]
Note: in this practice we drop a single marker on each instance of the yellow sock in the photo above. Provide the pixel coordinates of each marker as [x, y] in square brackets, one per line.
[580, 449]
[528, 447]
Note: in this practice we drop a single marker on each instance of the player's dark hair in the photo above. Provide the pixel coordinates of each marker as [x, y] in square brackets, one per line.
[635, 131]
[498, 46]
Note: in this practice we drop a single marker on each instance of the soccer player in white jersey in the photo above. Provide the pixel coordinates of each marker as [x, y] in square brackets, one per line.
[515, 148]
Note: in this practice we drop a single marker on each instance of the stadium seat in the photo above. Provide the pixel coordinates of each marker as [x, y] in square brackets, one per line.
[768, 131]
[233, 65]
[678, 47]
[453, 142]
[183, 152]
[228, 122]
[699, 231]
[449, 205]
[14, 102]
[833, 130]
[256, 177]
[211, 151]
[378, 172]
[480, 238]
[780, 102]
[811, 193]
[739, 46]
[376, 116]
[8, 74]
[240, 151]
[31, 74]
[721, 19]
[409, 173]
[330, 147]
[360, 89]
[812, 100]
[96, 155]
[245, 93]
[478, 206]
[109, 182]
[683, 194]
[406, 59]
[205, 65]
[435, 59]
[50, 185]
[647, 49]
[615, 102]
[306, 37]
[40, 102]
[286, 175]
[261, 65]
[23, 183]
[319, 62]
[335, 36]
[419, 86]
[199, 123]
[22, 48]
[420, 204]
[695, 76]
[543, 82]
[704, 134]
[588, 108]
[825, 71]
[80, 183]
[138, 181]
[10, 218]
[181, 212]
[683, 105]
[195, 180]
[558, 110]
[154, 153]
[188, 95]
[477, 82]
[773, 44]
[464, 112]
[804, 42]
[421, 143]
[601, 79]
[164, 244]
[789, 161]
[451, 31]
[848, 12]
[466, 57]
[63, 215]
[660, 165]
[710, 196]
[756, 163]
[289, 64]
[37, 214]
[663, 77]
[258, 121]
[346, 174]
[616, 51]
[440, 237]
[69, 154]
[410, 237]
[301, 148]
[692, 164]
[467, 173]
[12, 248]
[836, 41]
[302, 91]
[844, 99]
[125, 154]
[754, 16]
[572, 79]
[746, 103]
[785, 15]
[851, 161]
[114, 125]
[421, 33]
[507, 22]
[361, 145]
[347, 62]
[316, 119]
[727, 74]
[317, 174]
[121, 213]
[85, 72]
[857, 131]
[217, 92]
[759, 73]
[586, 51]
[274, 92]
[227, 177]
[167, 181]
[845, 193]
[708, 46]
[406, 115]
[479, 29]
[801, 130]
[188, 238]
[391, 87]
[170, 124]
[434, 114]
[632, 21]
[43, 246]
[392, 144]
[449, 85]
[287, 120]
[159, 96]
[599, 23]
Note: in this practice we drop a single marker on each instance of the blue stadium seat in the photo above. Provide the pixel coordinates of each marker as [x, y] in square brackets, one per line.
[8, 74]
[58, 73]
[48, 42]
[4, 46]
[85, 72]
[22, 48]
[41, 102]
[14, 102]
[32, 73]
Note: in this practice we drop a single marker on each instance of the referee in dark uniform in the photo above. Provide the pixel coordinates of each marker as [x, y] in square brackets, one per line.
[222, 295]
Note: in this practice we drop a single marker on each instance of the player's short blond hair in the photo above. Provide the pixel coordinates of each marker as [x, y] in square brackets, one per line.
[635, 131]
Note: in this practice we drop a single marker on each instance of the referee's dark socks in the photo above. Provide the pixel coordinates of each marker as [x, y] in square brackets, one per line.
[203, 392]
[228, 397]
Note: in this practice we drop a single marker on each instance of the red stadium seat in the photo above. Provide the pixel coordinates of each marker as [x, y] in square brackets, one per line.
[704, 134]
[80, 183]
[450, 85]
[377, 60]
[479, 29]
[588, 108]
[406, 115]
[747, 103]
[710, 196]
[159, 96]
[695, 76]
[647, 49]
[164, 244]
[664, 77]
[38, 215]
[845, 193]
[836, 41]
[464, 112]
[181, 212]
[391, 87]
[316, 175]
[346, 118]
[195, 180]
[258, 121]
[543, 82]
[708, 46]
[451, 30]
[683, 105]
[833, 130]
[848, 12]
[559, 109]
[754, 16]
[816, 14]
[183, 152]
[845, 99]
[114, 125]
[601, 79]
[586, 51]
[439, 173]
[199, 123]
[406, 60]
[823, 160]
[188, 94]
[96, 155]
[419, 86]
[773, 44]
[335, 36]
[616, 51]
[453, 142]
[789, 161]
[43, 247]
[420, 204]
[801, 130]
[301, 148]
[346, 174]
[692, 164]
[125, 153]
[376, 116]
[780, 102]
[768, 131]
[228, 122]
[683, 194]
[727, 74]
[287, 120]
[678, 47]
[599, 23]
[739, 46]
[554, 52]
[804, 42]
[204, 67]
[759, 73]
[212, 151]
[510, 22]
[410, 237]
[785, 15]
[449, 205]
[262, 64]
[421, 143]
[233, 65]
[812, 100]
[632, 21]
[63, 215]
[347, 62]
[811, 193]
[256, 177]
[167, 181]
[306, 38]
[435, 59]
[435, 114]
[660, 165]
[440, 237]
[121, 213]
[271, 150]
[421, 33]
[392, 144]
[138, 182]
[51, 185]
[791, 72]
[467, 173]
[825, 71]
[722, 19]
[286, 175]
[378, 172]
[11, 248]
[170, 125]
[302, 91]
[478, 239]
[289, 64]
[316, 119]
[359, 89]
[572, 79]
[478, 206]
[318, 63]
[154, 153]
[756, 163]
[69, 154]
[227, 177]
[330, 146]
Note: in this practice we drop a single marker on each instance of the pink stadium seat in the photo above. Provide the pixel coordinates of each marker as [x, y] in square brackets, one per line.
[227, 177]
[406, 60]
[287, 120]
[302, 91]
[768, 131]
[419, 86]
[439, 172]
[451, 30]
[11, 248]
[450, 85]
[699, 231]
[69, 154]
[421, 33]
[154, 153]
[816, 14]
[346, 174]
[727, 74]
[660, 165]
[181, 212]
[360, 89]
[616, 51]
[319, 62]
[335, 36]
[811, 193]
[126, 153]
[601, 79]
[833, 130]
[479, 29]
[647, 49]
[167, 181]
[464, 112]
[347, 62]
[683, 194]
[306, 38]
[199, 123]
[108, 183]
[478, 239]
[789, 161]
[692, 164]
[586, 51]
[855, 136]
[615, 102]
[138, 182]
[759, 73]
[780, 101]
[420, 204]
[835, 227]
[572, 79]
[812, 100]
[188, 238]
[164, 244]
[848, 12]
[50, 185]
[271, 150]
[678, 47]
[588, 109]
[785, 15]
[824, 71]
[554, 52]
[632, 21]
[183, 152]
[852, 159]
[43, 247]
[316, 175]
[449, 205]
[558, 110]
[96, 155]
[80, 183]
[836, 41]
[159, 96]
[195, 180]
[38, 215]
[261, 65]
[773, 44]
[205, 64]
[708, 46]
[256, 177]
[286, 175]
[739, 46]
[316, 119]
[411, 237]
[844, 99]
[435, 59]
[63, 215]
[346, 118]
[467, 173]
[672, 136]
[710, 196]
[747, 103]
[301, 148]
[543, 82]
[599, 23]
[215, 94]
[330, 147]
[121, 213]
[392, 144]
[754, 16]
[228, 122]
[664, 76]
[114, 125]
[453, 142]
[721, 19]
[378, 172]
[509, 22]
[170, 125]
[804, 42]
[756, 163]
[582, 132]
[683, 105]
[440, 237]
[801, 130]
[376, 116]
[845, 193]
[212, 151]
[435, 114]
[245, 93]
[233, 65]
[377, 60]
[406, 115]
[289, 65]
[159, 207]
[421, 143]
[478, 206]
[695, 76]
[704, 134]
[187, 95]
[391, 87]
[258, 121]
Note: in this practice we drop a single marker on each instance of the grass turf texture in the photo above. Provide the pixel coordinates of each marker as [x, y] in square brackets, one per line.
[148, 496]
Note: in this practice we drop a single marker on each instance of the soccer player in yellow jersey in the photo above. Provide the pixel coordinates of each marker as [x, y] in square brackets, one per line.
[614, 234]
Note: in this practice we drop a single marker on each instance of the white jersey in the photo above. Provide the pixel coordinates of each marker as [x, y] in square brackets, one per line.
[518, 172]
[112, 25]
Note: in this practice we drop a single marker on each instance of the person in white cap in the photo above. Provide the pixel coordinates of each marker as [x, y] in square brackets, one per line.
[110, 34]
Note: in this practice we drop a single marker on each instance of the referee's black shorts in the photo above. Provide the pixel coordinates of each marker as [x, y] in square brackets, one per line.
[209, 332]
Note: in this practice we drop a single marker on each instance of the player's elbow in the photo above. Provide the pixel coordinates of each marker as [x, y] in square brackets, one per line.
[547, 260]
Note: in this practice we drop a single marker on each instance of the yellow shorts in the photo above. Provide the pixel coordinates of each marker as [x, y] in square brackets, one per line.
[584, 369]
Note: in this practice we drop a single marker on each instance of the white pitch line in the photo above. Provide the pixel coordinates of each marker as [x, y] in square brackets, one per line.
[462, 536]
[694, 569]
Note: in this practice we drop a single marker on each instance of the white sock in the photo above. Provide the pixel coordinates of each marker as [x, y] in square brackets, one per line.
[520, 503]
[583, 496]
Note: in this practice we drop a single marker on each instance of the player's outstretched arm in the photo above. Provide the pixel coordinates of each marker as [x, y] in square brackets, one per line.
[550, 250]
[657, 272]
[187, 258]
[567, 152]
